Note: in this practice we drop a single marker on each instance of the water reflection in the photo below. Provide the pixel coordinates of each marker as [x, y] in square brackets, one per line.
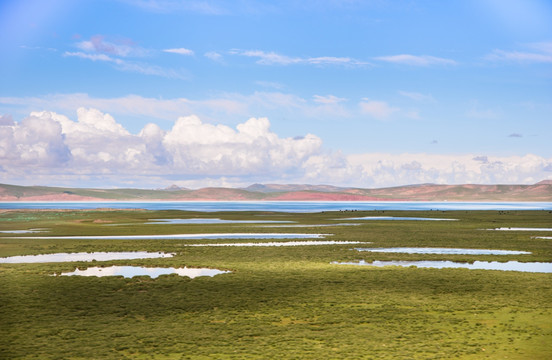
[537, 267]
[444, 251]
[68, 257]
[287, 243]
[153, 272]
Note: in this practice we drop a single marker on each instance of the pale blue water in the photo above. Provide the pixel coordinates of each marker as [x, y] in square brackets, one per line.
[179, 236]
[385, 218]
[538, 267]
[70, 257]
[282, 206]
[131, 271]
[444, 251]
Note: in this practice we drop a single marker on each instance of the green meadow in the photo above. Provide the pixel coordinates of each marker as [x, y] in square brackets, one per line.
[277, 302]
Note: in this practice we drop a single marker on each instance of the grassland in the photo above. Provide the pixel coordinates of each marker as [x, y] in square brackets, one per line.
[278, 302]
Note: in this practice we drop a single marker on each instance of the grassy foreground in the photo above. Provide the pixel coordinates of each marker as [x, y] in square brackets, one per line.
[278, 302]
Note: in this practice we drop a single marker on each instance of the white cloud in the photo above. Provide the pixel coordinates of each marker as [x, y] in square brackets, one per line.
[377, 109]
[387, 169]
[51, 148]
[416, 60]
[181, 51]
[46, 143]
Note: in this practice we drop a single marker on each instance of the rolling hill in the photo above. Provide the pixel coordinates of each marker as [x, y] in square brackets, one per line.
[541, 191]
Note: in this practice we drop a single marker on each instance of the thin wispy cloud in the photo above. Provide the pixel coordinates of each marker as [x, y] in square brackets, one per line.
[416, 60]
[273, 58]
[93, 57]
[120, 54]
[380, 110]
[417, 96]
[180, 51]
[328, 99]
[213, 55]
[169, 6]
[540, 53]
[121, 48]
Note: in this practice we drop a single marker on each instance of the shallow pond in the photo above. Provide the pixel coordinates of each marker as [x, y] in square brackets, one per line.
[537, 267]
[444, 251]
[213, 221]
[153, 272]
[184, 236]
[396, 218]
[68, 257]
[287, 243]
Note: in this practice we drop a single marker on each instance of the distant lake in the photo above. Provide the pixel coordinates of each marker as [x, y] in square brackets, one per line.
[282, 206]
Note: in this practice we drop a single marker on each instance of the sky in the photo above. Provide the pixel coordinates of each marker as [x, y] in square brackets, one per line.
[375, 93]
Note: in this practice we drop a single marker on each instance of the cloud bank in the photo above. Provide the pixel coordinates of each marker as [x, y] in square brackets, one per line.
[95, 150]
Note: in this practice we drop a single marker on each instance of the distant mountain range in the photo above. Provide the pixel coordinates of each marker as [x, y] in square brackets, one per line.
[541, 191]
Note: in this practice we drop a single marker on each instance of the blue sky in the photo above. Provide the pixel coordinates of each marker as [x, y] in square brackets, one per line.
[148, 93]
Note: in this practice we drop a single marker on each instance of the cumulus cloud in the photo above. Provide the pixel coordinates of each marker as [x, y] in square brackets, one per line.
[50, 147]
[95, 144]
[388, 169]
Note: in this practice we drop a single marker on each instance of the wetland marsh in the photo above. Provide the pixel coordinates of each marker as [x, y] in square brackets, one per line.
[281, 301]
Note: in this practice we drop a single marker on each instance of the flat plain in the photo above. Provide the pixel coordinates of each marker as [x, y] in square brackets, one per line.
[276, 302]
